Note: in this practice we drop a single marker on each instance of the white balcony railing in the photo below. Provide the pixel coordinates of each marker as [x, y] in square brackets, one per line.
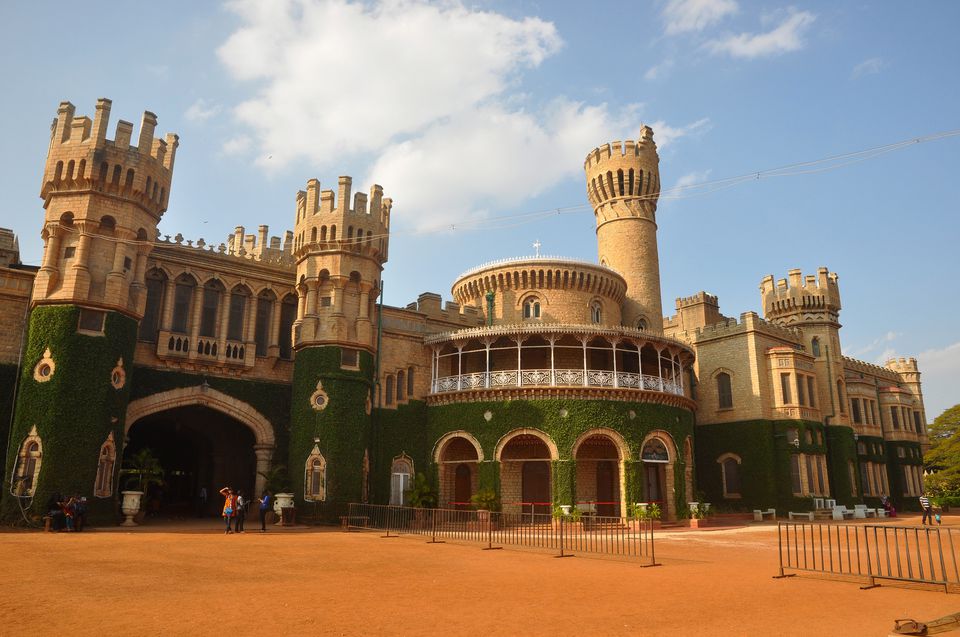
[555, 378]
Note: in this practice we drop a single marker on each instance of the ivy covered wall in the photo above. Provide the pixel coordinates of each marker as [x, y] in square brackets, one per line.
[75, 410]
[763, 447]
[912, 455]
[414, 429]
[342, 426]
[8, 383]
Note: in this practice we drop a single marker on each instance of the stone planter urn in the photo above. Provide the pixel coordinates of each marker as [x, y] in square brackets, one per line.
[282, 501]
[566, 508]
[130, 506]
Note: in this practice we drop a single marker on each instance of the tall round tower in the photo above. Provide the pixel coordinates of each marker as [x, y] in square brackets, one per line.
[623, 184]
[102, 201]
[340, 252]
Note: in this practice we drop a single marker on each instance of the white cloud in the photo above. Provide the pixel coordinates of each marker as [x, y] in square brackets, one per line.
[871, 66]
[202, 110]
[493, 156]
[786, 37]
[665, 134]
[659, 70]
[683, 16]
[238, 145]
[883, 339]
[691, 179]
[338, 78]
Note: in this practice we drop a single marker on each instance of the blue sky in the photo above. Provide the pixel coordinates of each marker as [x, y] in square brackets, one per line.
[469, 112]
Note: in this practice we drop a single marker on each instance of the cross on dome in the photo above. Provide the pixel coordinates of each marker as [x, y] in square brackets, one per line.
[536, 246]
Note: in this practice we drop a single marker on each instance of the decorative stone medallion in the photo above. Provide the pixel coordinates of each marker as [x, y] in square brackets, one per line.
[564, 413]
[45, 368]
[632, 414]
[118, 377]
[319, 399]
[488, 415]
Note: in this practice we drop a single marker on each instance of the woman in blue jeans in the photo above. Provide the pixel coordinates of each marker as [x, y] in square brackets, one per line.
[229, 506]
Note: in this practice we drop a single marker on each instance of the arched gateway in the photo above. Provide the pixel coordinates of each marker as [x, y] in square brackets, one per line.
[201, 396]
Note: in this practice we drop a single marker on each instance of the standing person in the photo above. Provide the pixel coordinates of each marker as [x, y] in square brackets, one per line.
[265, 503]
[241, 513]
[229, 507]
[927, 511]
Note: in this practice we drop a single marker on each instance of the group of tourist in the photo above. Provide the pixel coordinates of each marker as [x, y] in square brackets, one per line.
[236, 505]
[66, 513]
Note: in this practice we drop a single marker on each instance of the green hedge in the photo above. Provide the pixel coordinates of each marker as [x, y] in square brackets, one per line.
[842, 450]
[76, 409]
[912, 456]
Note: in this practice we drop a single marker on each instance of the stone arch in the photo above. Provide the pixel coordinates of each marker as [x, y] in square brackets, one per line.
[667, 468]
[536, 433]
[618, 441]
[442, 442]
[264, 439]
[666, 438]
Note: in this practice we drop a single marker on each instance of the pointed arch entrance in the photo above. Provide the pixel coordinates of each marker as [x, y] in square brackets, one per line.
[204, 439]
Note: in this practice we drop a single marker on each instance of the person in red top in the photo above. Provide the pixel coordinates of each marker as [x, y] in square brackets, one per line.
[229, 506]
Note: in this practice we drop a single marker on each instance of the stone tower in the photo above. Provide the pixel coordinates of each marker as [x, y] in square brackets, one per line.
[339, 252]
[812, 303]
[623, 184]
[102, 201]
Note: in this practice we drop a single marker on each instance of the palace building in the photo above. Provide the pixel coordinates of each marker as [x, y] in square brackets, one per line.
[548, 381]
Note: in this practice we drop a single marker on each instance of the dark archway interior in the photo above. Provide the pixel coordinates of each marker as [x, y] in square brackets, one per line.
[197, 447]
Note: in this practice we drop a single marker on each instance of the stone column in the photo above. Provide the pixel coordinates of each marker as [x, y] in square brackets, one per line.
[250, 329]
[194, 327]
[166, 321]
[221, 338]
[264, 454]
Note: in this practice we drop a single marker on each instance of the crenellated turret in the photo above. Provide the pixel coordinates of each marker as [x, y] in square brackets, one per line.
[623, 184]
[810, 299]
[340, 252]
[103, 200]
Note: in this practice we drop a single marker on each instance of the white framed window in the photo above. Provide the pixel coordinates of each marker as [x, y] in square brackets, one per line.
[26, 472]
[103, 484]
[531, 308]
[401, 479]
[730, 473]
[596, 312]
[315, 476]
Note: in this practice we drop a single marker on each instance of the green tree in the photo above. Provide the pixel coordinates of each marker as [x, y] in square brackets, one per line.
[944, 455]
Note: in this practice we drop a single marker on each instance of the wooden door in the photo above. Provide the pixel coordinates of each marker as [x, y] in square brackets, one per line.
[607, 500]
[535, 487]
[462, 486]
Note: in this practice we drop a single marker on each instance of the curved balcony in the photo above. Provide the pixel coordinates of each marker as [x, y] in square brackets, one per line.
[564, 360]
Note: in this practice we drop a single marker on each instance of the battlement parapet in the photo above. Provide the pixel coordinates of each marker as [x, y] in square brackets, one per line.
[869, 369]
[624, 169]
[902, 365]
[431, 306]
[797, 294]
[699, 297]
[749, 322]
[242, 247]
[82, 158]
[363, 228]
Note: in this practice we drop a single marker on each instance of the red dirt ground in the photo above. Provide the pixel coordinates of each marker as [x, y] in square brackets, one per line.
[190, 579]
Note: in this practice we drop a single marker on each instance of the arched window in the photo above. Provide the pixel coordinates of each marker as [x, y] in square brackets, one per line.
[238, 312]
[730, 471]
[531, 308]
[27, 471]
[409, 382]
[401, 384]
[315, 477]
[655, 451]
[212, 290]
[182, 302]
[388, 399]
[401, 479]
[261, 334]
[288, 314]
[724, 391]
[156, 282]
[596, 312]
[840, 398]
[815, 347]
[103, 485]
[641, 324]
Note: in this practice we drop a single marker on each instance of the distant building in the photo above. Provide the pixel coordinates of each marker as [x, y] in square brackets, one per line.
[547, 380]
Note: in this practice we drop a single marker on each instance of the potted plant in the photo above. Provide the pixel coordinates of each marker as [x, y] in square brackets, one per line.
[653, 513]
[422, 495]
[141, 470]
[485, 501]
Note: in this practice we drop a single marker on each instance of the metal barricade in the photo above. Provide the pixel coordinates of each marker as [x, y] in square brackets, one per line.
[871, 552]
[565, 535]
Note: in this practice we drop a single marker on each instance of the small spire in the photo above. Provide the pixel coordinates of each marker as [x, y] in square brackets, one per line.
[536, 246]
